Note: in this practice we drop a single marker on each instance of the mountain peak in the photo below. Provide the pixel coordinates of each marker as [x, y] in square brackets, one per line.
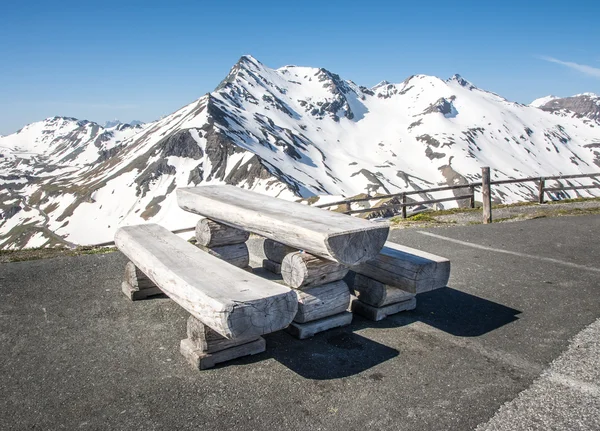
[461, 81]
[245, 63]
[542, 101]
[249, 59]
[381, 84]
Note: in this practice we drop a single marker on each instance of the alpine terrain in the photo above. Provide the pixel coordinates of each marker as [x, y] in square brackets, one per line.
[293, 132]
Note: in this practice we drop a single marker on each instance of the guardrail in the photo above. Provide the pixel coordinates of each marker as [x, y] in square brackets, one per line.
[485, 185]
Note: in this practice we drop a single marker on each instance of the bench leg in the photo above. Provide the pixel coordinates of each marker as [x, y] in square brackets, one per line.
[204, 348]
[379, 313]
[136, 285]
[272, 266]
[309, 329]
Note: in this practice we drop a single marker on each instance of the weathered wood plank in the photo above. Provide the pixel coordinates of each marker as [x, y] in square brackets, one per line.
[300, 270]
[376, 293]
[276, 251]
[309, 329]
[334, 236]
[210, 233]
[321, 301]
[409, 269]
[233, 302]
[378, 313]
[235, 254]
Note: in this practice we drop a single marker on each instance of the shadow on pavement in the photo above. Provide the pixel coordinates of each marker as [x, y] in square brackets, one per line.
[462, 314]
[332, 354]
[341, 353]
[457, 313]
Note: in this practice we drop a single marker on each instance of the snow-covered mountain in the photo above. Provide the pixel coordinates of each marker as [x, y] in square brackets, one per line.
[537, 103]
[293, 132]
[116, 122]
[585, 105]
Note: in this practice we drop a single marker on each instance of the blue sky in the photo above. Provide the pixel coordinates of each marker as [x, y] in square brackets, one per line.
[145, 59]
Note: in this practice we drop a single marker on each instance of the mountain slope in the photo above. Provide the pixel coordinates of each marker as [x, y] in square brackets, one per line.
[585, 105]
[290, 132]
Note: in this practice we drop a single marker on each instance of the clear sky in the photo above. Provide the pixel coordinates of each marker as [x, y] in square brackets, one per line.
[145, 59]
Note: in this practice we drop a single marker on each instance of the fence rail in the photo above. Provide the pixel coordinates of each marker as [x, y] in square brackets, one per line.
[485, 184]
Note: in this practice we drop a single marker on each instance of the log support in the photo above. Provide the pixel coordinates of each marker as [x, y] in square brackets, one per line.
[210, 234]
[234, 254]
[378, 313]
[376, 293]
[300, 270]
[412, 270]
[323, 297]
[204, 348]
[271, 266]
[136, 285]
[222, 241]
[276, 251]
[318, 302]
[309, 329]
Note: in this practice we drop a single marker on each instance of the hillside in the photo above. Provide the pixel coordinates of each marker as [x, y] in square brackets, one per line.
[292, 132]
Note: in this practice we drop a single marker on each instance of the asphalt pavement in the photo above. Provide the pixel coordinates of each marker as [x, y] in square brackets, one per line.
[76, 354]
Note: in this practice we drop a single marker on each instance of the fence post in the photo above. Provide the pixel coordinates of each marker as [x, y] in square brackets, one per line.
[486, 195]
[472, 201]
[541, 186]
[403, 205]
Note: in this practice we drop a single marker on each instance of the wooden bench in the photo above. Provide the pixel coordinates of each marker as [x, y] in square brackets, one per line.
[230, 308]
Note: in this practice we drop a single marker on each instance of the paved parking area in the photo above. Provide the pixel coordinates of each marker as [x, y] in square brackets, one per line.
[74, 353]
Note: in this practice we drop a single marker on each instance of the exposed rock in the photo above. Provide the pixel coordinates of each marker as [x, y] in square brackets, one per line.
[582, 105]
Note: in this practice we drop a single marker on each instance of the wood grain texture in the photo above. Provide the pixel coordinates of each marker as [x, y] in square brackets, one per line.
[276, 251]
[376, 293]
[210, 233]
[321, 301]
[379, 313]
[334, 236]
[309, 329]
[301, 270]
[233, 302]
[235, 254]
[407, 268]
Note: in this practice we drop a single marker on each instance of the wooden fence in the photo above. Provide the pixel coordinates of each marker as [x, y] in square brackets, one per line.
[485, 185]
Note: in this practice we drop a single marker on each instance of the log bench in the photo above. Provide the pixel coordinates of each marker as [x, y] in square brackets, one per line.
[230, 308]
[312, 249]
[389, 283]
